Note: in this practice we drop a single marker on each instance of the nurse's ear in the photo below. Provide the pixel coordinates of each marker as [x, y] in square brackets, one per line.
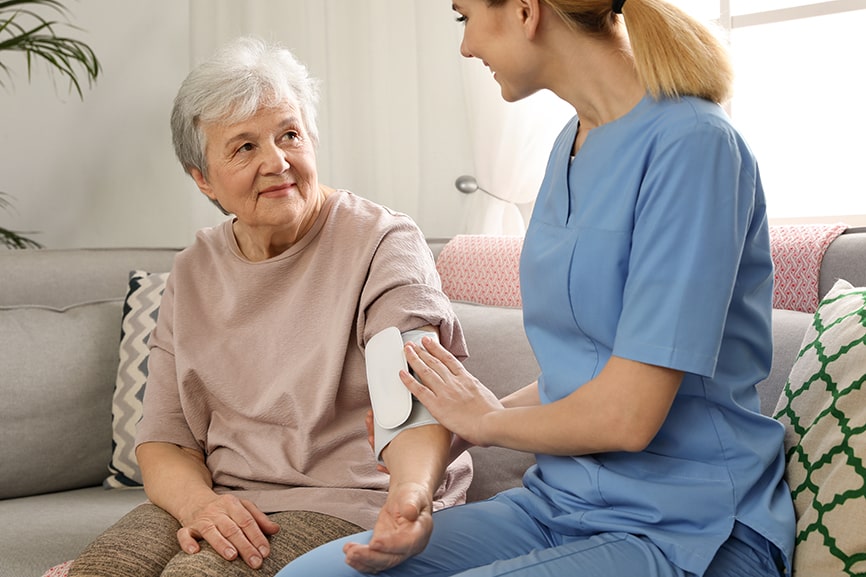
[529, 13]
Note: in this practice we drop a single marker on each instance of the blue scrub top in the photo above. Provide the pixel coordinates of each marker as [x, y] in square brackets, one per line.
[653, 245]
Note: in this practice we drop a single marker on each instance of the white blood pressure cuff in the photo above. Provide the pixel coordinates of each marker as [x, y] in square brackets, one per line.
[394, 407]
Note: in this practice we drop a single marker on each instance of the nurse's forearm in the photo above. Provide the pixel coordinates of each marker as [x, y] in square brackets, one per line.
[622, 409]
[525, 397]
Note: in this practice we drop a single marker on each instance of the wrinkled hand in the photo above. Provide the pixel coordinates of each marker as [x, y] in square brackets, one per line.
[232, 527]
[402, 530]
[452, 395]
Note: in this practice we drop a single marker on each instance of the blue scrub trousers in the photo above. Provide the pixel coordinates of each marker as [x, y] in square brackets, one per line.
[495, 538]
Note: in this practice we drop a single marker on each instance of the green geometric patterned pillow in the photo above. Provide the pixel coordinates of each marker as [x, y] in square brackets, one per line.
[823, 408]
[140, 310]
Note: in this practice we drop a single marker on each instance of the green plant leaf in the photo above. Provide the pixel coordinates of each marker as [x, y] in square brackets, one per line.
[22, 29]
[11, 238]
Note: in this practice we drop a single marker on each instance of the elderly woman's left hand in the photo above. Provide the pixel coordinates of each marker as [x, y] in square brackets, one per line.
[458, 400]
[402, 530]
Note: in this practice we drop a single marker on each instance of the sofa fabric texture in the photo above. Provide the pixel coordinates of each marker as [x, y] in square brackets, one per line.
[60, 371]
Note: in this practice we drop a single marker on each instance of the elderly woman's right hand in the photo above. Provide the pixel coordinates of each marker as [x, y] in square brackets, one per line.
[233, 527]
[178, 480]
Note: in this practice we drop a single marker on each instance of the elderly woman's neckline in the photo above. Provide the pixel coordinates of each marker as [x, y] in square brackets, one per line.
[262, 244]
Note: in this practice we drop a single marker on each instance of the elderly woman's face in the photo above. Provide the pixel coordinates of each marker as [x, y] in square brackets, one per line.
[262, 169]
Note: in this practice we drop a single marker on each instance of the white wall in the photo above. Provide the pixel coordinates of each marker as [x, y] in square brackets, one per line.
[101, 172]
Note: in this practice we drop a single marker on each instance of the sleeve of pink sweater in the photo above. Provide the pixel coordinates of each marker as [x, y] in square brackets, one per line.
[403, 290]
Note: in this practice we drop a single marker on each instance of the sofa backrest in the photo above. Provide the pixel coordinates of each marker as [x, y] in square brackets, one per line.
[60, 327]
[61, 278]
[845, 259]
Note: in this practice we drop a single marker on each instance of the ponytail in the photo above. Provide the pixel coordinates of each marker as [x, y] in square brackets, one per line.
[674, 53]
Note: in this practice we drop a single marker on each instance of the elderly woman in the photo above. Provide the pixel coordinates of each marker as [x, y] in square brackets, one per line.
[253, 446]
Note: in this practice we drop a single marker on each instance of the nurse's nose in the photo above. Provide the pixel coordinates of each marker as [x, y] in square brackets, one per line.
[464, 51]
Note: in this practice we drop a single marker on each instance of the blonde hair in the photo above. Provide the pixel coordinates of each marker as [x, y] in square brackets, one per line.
[674, 53]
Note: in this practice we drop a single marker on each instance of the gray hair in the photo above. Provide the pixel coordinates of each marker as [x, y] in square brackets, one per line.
[241, 78]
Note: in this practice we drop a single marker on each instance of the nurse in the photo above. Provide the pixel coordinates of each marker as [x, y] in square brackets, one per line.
[646, 282]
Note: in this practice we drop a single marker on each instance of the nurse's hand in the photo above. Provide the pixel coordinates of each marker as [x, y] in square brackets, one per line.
[452, 395]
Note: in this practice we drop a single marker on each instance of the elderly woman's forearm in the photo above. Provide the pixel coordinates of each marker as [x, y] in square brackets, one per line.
[175, 478]
[419, 455]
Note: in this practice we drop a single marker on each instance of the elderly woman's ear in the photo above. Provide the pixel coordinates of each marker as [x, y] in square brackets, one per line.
[202, 183]
[206, 189]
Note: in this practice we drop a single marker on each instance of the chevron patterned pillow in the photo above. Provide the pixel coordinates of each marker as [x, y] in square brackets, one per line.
[139, 317]
[823, 408]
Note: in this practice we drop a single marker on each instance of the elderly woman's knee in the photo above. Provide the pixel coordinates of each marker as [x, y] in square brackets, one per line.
[138, 545]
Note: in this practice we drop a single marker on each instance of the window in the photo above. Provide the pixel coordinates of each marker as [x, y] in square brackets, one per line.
[798, 100]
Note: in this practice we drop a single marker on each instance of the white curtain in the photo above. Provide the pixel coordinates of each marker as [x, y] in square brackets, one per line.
[511, 143]
[403, 114]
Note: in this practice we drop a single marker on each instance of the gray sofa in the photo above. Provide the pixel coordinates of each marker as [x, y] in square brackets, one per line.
[60, 314]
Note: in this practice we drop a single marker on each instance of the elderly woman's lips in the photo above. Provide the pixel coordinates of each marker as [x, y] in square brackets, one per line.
[277, 190]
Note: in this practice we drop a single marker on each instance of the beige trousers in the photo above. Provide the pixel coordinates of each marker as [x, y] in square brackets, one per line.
[144, 544]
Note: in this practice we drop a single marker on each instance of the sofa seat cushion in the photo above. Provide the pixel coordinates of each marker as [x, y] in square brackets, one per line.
[41, 531]
[58, 374]
[823, 408]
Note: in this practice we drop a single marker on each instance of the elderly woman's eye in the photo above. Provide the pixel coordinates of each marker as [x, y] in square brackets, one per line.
[292, 135]
[246, 147]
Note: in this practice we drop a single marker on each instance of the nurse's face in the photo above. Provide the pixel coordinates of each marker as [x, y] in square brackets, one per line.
[494, 33]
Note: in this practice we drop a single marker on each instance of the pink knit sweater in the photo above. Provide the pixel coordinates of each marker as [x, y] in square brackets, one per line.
[261, 364]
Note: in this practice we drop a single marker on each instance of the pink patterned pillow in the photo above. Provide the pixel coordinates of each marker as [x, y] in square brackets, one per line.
[797, 252]
[482, 269]
[61, 570]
